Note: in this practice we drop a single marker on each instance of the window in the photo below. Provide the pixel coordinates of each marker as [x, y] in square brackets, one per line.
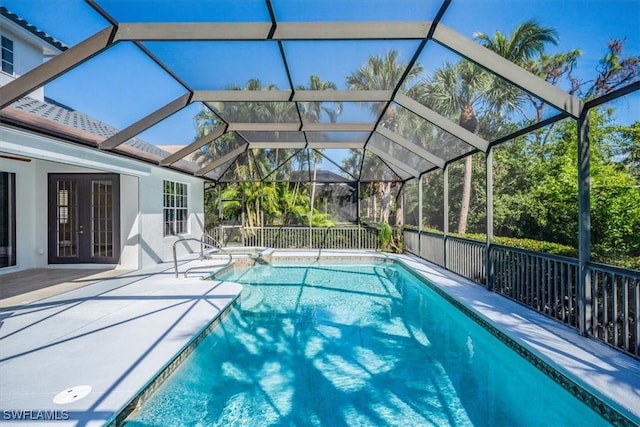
[175, 208]
[7, 219]
[7, 55]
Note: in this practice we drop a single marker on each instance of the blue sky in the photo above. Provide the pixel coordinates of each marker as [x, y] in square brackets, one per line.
[119, 95]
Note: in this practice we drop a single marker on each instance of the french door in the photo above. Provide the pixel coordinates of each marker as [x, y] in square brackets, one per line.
[84, 218]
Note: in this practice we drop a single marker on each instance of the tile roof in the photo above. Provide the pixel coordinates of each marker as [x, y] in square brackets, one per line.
[32, 29]
[76, 121]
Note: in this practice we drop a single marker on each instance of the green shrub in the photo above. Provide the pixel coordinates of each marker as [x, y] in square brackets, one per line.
[537, 246]
[384, 235]
[513, 242]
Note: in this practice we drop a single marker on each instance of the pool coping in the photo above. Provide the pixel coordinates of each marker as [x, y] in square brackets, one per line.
[163, 374]
[612, 397]
[610, 410]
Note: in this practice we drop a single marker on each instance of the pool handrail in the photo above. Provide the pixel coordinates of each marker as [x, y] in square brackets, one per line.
[205, 241]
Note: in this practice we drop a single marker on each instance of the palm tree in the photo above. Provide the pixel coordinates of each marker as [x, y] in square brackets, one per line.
[383, 72]
[312, 112]
[256, 197]
[465, 91]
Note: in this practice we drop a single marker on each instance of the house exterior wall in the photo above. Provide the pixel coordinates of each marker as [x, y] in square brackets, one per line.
[25, 212]
[36, 156]
[141, 198]
[26, 54]
[155, 246]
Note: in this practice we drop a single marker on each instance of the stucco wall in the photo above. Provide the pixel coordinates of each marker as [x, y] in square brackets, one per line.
[156, 247]
[26, 56]
[26, 256]
[141, 198]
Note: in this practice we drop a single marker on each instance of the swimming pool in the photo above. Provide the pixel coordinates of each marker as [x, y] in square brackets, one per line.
[348, 344]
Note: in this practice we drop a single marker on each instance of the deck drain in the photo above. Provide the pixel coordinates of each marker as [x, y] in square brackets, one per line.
[72, 394]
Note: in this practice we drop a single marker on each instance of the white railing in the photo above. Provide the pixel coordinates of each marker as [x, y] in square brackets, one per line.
[299, 237]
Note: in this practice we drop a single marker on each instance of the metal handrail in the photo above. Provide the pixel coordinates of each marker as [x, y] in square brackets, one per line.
[203, 244]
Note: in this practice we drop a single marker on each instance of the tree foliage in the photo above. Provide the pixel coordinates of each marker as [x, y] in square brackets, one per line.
[535, 175]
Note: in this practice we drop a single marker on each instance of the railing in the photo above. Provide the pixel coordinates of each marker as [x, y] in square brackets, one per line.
[412, 242]
[615, 316]
[544, 282]
[466, 258]
[208, 246]
[305, 237]
[432, 248]
[429, 246]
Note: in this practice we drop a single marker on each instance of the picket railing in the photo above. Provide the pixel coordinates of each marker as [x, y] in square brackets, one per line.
[546, 283]
[615, 317]
[299, 237]
[429, 246]
[466, 258]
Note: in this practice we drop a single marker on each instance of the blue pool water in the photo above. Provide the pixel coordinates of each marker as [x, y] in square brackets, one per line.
[353, 345]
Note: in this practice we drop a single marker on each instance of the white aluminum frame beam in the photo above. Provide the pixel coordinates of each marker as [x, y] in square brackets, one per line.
[508, 70]
[338, 127]
[241, 95]
[145, 123]
[55, 67]
[336, 145]
[264, 127]
[415, 149]
[351, 30]
[231, 155]
[263, 145]
[193, 31]
[306, 127]
[395, 162]
[303, 144]
[283, 31]
[342, 95]
[287, 95]
[200, 142]
[442, 122]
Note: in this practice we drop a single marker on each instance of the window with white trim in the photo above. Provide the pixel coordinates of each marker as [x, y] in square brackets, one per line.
[7, 55]
[176, 210]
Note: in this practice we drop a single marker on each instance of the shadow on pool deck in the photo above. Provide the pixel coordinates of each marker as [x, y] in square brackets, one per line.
[113, 335]
[35, 284]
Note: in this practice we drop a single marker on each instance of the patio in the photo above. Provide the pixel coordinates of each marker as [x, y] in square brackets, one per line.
[116, 334]
[23, 287]
[112, 333]
[510, 174]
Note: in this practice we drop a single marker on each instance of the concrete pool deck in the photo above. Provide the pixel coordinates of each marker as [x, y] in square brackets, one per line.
[116, 334]
[609, 374]
[113, 335]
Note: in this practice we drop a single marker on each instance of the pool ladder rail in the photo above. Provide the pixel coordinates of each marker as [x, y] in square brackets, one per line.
[208, 247]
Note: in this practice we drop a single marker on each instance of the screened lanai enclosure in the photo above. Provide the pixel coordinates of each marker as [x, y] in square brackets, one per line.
[499, 139]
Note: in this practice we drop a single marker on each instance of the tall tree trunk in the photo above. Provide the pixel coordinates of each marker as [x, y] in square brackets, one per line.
[466, 196]
[375, 207]
[385, 201]
[400, 210]
[468, 121]
[313, 193]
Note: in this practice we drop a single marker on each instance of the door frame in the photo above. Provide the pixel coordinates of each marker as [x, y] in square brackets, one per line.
[84, 213]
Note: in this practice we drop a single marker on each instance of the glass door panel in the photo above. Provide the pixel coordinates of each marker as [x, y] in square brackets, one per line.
[84, 218]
